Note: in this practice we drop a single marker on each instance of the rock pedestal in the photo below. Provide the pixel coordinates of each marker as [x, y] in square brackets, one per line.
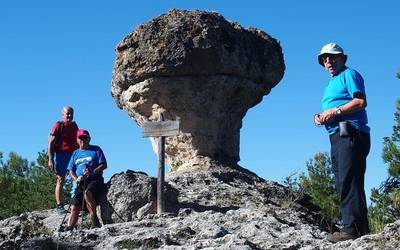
[199, 67]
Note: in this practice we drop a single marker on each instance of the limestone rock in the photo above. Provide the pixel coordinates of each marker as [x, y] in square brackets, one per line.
[203, 69]
[133, 194]
[247, 212]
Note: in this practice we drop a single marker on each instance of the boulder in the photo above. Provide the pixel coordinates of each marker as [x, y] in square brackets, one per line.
[133, 195]
[202, 69]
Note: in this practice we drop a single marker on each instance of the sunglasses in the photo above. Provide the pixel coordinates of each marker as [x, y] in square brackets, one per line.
[332, 57]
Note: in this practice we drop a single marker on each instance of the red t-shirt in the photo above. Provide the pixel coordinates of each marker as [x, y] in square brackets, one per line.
[67, 143]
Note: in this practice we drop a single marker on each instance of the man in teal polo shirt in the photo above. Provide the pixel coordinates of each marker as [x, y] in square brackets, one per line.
[345, 119]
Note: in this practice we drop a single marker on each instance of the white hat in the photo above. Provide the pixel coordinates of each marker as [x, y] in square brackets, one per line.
[331, 48]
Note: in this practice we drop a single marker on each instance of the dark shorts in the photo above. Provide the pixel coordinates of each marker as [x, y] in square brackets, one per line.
[61, 161]
[95, 186]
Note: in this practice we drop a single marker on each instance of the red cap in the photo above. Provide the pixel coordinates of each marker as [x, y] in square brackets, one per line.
[82, 132]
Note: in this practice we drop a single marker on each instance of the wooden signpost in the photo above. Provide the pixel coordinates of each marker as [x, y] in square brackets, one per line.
[160, 129]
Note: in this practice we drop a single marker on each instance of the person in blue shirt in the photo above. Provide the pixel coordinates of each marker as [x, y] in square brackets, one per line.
[86, 169]
[345, 119]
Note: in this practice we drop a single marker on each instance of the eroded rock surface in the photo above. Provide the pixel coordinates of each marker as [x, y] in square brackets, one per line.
[219, 209]
[199, 67]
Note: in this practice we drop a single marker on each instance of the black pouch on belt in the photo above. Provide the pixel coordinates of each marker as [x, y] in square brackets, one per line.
[345, 129]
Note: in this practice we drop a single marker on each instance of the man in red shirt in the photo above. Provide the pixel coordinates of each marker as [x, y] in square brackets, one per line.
[62, 143]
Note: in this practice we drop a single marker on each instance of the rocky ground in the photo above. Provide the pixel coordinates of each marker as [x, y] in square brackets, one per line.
[218, 209]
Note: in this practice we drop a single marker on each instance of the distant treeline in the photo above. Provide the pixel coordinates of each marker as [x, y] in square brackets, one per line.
[27, 186]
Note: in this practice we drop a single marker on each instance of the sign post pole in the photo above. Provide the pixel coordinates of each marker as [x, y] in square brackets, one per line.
[161, 171]
[160, 129]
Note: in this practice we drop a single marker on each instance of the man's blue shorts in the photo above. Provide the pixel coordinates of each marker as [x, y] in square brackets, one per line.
[61, 161]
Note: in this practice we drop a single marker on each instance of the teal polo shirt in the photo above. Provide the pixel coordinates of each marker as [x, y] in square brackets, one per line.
[340, 90]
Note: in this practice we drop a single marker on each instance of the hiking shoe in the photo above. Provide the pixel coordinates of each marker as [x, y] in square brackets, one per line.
[60, 209]
[68, 228]
[95, 222]
[340, 236]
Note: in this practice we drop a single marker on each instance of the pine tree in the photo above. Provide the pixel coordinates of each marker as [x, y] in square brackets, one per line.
[27, 186]
[47, 180]
[386, 199]
[320, 184]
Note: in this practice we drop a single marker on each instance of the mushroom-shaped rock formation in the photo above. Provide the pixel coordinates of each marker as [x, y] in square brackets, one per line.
[199, 67]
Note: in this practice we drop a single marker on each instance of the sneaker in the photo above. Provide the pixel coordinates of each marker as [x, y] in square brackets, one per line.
[340, 236]
[60, 209]
[68, 228]
[95, 222]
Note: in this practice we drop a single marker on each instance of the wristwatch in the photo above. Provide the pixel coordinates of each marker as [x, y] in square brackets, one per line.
[338, 111]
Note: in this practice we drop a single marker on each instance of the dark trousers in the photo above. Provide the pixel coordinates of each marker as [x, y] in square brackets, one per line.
[348, 164]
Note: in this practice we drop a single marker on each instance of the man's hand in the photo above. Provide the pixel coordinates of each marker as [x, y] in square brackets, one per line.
[317, 119]
[99, 169]
[355, 105]
[79, 179]
[325, 117]
[50, 164]
[86, 171]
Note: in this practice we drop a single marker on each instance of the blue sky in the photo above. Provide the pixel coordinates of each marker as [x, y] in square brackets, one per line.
[55, 53]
